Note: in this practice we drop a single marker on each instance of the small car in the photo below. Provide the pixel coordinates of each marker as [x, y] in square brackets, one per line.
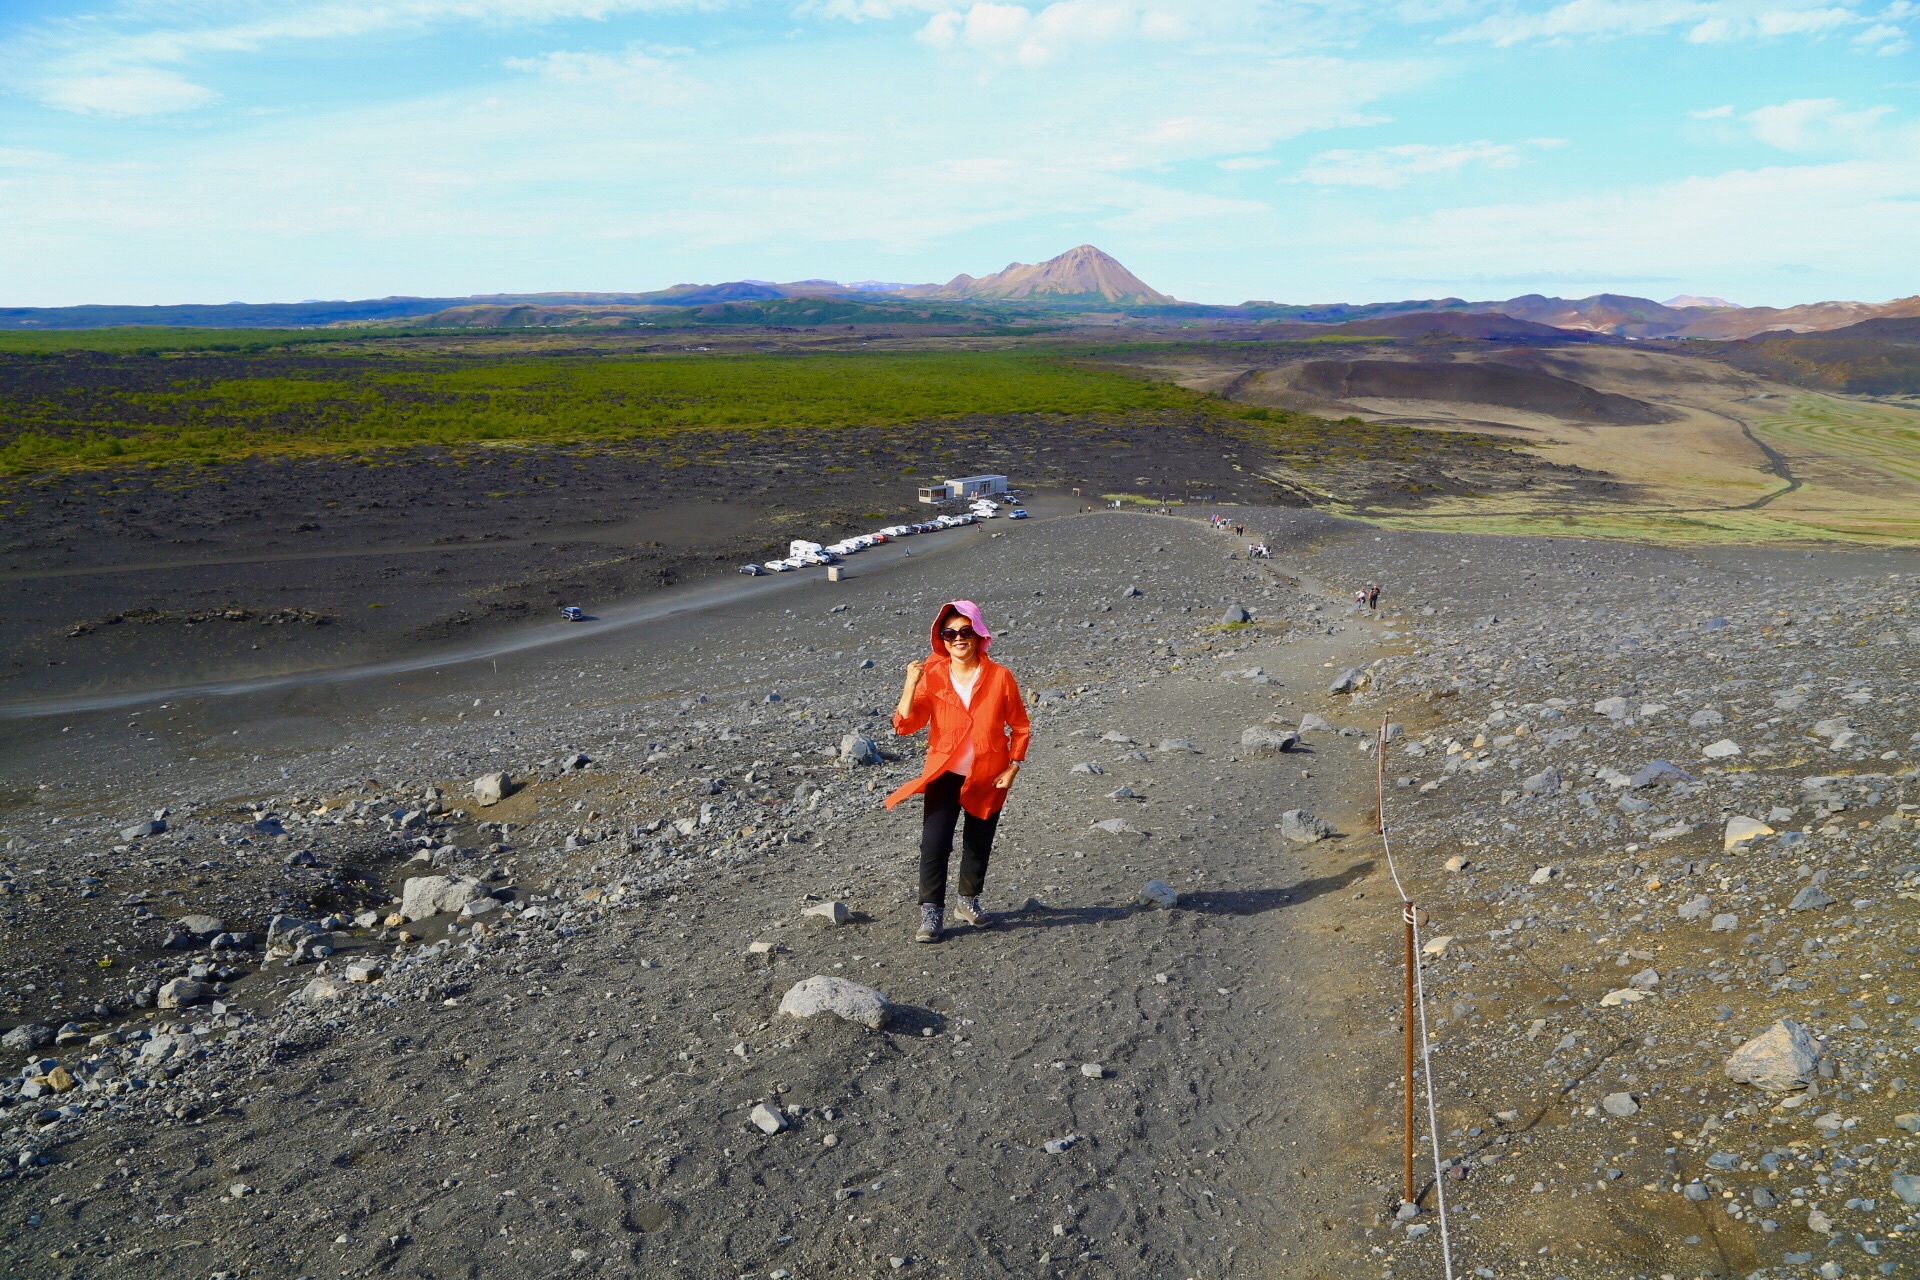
[1018, 513]
[573, 613]
[776, 566]
[752, 570]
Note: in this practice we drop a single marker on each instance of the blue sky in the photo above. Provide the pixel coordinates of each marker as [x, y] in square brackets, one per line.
[1767, 151]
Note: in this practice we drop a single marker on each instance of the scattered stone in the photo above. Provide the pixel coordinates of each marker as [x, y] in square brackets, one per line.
[492, 788]
[1820, 1224]
[323, 989]
[1658, 773]
[1262, 741]
[858, 749]
[1132, 593]
[1458, 862]
[1695, 907]
[478, 907]
[835, 913]
[1117, 827]
[1725, 922]
[424, 896]
[1619, 1104]
[1302, 827]
[201, 926]
[1234, 616]
[1093, 1070]
[1906, 1187]
[1437, 946]
[763, 949]
[1177, 744]
[1087, 766]
[1312, 723]
[1721, 750]
[182, 992]
[1810, 898]
[1740, 830]
[1347, 681]
[1615, 708]
[362, 971]
[1778, 1060]
[1059, 1146]
[1160, 894]
[849, 1000]
[766, 1119]
[1624, 995]
[28, 1035]
[1544, 783]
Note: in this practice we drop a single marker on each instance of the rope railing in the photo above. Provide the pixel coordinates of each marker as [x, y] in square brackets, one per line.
[1416, 1015]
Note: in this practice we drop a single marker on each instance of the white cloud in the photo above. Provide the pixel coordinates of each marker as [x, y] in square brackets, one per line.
[1816, 124]
[598, 68]
[1039, 35]
[1240, 164]
[1722, 112]
[136, 91]
[1395, 166]
[1699, 21]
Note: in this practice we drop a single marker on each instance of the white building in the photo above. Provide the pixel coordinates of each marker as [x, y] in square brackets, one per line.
[963, 487]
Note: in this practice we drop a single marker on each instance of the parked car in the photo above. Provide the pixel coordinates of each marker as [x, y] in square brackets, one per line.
[777, 566]
[573, 613]
[752, 570]
[1018, 513]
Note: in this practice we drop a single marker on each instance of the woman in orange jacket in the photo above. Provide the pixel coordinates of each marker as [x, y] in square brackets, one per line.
[979, 737]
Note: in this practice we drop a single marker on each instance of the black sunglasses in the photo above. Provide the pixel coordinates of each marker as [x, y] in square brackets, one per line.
[952, 634]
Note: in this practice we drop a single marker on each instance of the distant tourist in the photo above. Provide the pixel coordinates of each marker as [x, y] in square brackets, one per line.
[978, 738]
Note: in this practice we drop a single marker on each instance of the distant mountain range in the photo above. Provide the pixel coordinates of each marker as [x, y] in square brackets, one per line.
[1083, 279]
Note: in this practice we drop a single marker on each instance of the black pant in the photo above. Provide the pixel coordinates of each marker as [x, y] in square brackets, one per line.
[942, 811]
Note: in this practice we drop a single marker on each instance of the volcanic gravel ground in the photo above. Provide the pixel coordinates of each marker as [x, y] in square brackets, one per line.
[567, 1083]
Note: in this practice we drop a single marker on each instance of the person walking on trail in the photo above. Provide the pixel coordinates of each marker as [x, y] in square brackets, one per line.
[978, 738]
[1373, 596]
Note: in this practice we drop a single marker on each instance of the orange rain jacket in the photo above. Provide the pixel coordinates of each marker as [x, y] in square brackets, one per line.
[997, 723]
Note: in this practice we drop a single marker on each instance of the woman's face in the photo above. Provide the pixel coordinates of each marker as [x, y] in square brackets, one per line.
[956, 633]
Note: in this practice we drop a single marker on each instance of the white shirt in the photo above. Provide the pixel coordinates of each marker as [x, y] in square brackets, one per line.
[963, 762]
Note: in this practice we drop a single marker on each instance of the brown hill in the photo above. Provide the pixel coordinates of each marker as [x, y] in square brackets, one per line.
[1472, 383]
[1442, 325]
[1083, 272]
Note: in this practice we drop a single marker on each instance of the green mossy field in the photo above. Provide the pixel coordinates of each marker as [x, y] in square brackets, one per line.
[109, 405]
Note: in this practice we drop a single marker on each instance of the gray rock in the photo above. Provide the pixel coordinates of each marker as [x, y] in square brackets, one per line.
[834, 913]
[1114, 735]
[1906, 1186]
[1619, 1104]
[766, 1119]
[1544, 783]
[141, 830]
[284, 932]
[1725, 922]
[1763, 1198]
[1810, 898]
[424, 896]
[1116, 827]
[169, 1046]
[1632, 804]
[478, 907]
[1658, 773]
[578, 760]
[201, 926]
[1312, 723]
[1696, 1191]
[1695, 907]
[1302, 827]
[1833, 726]
[1123, 792]
[1235, 615]
[492, 788]
[1059, 1146]
[182, 992]
[1262, 741]
[1158, 893]
[1086, 766]
[1704, 718]
[28, 1035]
[1177, 744]
[1615, 708]
[1131, 593]
[848, 1000]
[1778, 1060]
[1347, 681]
[323, 989]
[858, 748]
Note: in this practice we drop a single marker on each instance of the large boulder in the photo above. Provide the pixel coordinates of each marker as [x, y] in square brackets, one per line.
[182, 992]
[857, 748]
[1302, 827]
[28, 1035]
[492, 788]
[1236, 615]
[1778, 1060]
[1259, 740]
[1160, 894]
[1347, 681]
[848, 1000]
[426, 896]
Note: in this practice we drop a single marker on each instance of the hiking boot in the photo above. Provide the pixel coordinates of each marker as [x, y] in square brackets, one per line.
[931, 918]
[968, 909]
